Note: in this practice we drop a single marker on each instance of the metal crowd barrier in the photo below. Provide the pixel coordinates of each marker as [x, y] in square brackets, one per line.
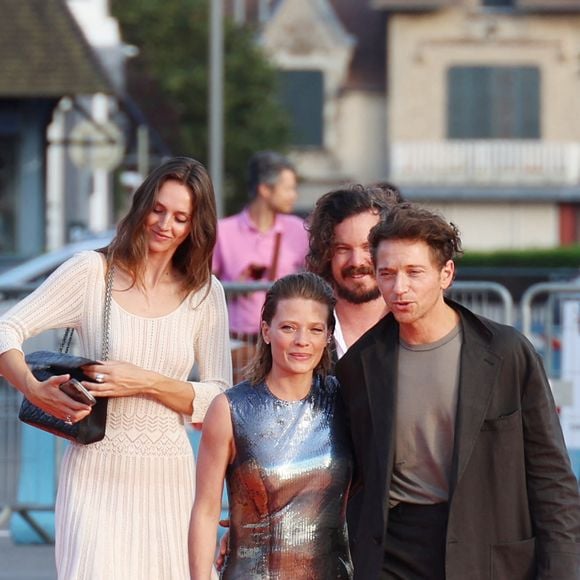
[553, 325]
[486, 298]
[541, 320]
[36, 461]
[489, 299]
[10, 435]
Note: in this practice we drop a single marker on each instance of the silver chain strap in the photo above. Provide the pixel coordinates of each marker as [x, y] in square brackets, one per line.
[107, 313]
[68, 333]
[66, 340]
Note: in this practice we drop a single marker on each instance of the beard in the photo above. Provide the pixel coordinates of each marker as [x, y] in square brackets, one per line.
[358, 295]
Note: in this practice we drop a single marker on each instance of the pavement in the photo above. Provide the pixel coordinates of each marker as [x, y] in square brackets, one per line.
[25, 561]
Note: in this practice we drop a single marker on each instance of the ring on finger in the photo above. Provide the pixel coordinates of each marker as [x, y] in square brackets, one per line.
[99, 377]
[68, 420]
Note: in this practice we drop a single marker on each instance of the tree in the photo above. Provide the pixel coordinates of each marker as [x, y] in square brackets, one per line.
[169, 79]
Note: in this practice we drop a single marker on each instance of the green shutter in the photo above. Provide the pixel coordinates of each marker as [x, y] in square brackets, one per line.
[527, 95]
[498, 3]
[469, 103]
[493, 103]
[302, 95]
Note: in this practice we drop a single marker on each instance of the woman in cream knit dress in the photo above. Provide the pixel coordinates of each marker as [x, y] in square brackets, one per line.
[124, 503]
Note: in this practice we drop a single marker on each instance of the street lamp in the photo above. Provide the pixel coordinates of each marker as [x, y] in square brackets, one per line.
[216, 100]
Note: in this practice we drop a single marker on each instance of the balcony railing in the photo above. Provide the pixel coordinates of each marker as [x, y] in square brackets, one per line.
[486, 163]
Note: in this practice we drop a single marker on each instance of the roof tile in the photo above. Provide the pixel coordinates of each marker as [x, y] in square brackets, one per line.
[43, 52]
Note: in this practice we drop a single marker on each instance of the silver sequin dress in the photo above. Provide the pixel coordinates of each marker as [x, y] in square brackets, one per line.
[288, 485]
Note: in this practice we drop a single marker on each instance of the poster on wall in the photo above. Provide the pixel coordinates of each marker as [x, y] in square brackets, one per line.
[570, 413]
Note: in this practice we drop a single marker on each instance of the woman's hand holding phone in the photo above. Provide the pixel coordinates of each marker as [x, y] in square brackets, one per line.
[77, 391]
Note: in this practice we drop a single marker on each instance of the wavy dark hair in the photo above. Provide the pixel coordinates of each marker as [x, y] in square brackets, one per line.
[304, 285]
[409, 221]
[390, 189]
[332, 209]
[193, 257]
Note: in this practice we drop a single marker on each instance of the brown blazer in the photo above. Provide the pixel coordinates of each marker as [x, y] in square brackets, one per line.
[514, 506]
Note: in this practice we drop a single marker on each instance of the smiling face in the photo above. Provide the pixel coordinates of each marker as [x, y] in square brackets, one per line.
[169, 222]
[351, 264]
[411, 281]
[297, 335]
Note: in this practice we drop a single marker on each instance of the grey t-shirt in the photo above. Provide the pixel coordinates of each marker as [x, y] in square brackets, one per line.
[427, 385]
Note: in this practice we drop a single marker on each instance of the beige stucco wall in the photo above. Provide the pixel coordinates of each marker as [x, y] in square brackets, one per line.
[492, 226]
[361, 141]
[423, 46]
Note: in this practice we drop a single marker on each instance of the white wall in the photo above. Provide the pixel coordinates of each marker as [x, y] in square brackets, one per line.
[361, 146]
[496, 225]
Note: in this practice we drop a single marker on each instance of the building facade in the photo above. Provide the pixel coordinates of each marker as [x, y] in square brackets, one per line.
[484, 115]
[331, 61]
[64, 122]
[44, 57]
[469, 106]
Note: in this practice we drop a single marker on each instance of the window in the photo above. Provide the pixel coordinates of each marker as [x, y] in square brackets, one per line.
[498, 3]
[302, 95]
[8, 147]
[493, 102]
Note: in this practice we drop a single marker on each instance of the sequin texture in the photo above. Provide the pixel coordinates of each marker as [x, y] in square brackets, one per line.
[288, 485]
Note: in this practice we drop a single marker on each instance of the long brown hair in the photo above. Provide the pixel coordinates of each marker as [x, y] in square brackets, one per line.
[304, 285]
[193, 257]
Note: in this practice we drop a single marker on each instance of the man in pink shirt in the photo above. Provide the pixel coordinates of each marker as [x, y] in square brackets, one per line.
[262, 242]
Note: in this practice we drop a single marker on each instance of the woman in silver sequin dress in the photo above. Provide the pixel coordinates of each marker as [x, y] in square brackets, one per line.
[280, 441]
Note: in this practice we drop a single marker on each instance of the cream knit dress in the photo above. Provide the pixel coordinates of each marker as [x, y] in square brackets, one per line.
[124, 503]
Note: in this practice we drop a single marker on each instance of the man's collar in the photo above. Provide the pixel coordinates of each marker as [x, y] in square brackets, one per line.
[249, 223]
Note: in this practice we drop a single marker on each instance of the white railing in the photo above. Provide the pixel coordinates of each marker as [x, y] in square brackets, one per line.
[486, 162]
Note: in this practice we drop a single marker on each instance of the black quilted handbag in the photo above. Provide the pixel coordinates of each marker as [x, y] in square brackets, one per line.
[45, 363]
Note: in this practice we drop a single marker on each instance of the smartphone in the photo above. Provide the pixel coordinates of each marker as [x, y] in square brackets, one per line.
[76, 391]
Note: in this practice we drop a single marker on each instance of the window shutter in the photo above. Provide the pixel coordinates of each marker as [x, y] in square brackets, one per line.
[302, 95]
[493, 103]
